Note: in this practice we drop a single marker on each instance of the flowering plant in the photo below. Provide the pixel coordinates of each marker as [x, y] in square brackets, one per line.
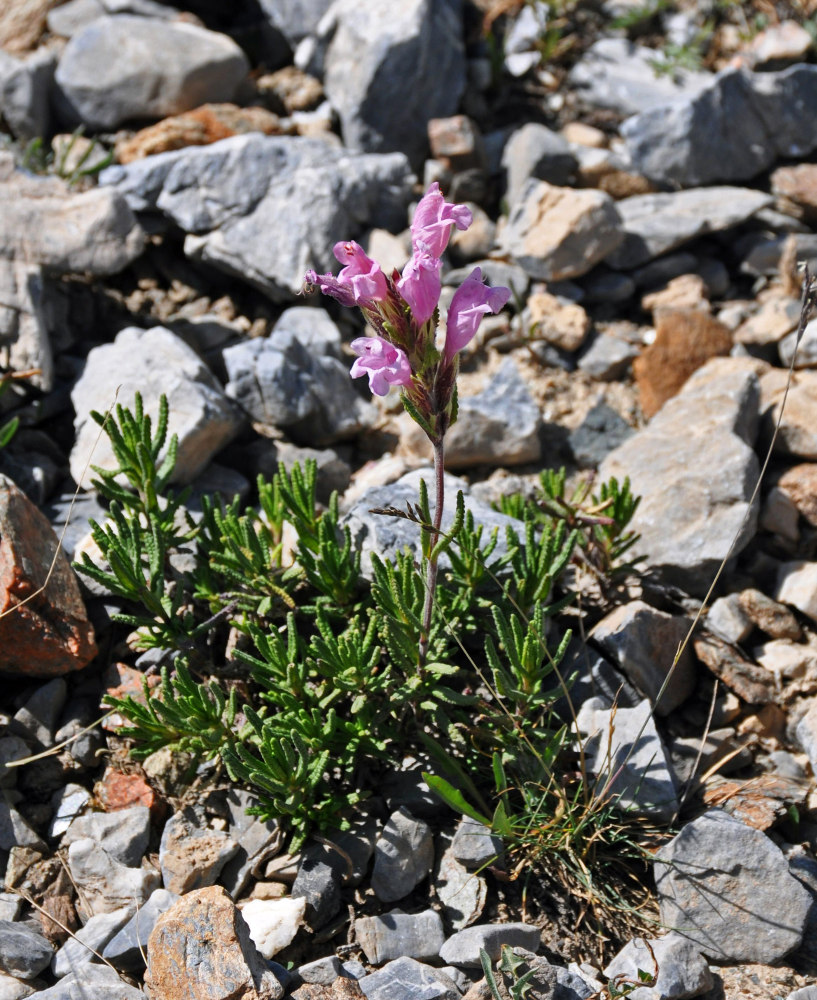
[403, 311]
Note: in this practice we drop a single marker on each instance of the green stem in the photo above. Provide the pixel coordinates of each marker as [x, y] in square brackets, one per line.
[431, 568]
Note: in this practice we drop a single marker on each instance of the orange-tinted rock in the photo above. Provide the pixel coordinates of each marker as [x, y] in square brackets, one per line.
[684, 340]
[118, 791]
[341, 989]
[200, 949]
[456, 142]
[44, 629]
[200, 127]
[687, 291]
[799, 483]
[798, 184]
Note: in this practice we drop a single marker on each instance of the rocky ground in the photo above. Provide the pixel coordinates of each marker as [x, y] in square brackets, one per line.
[641, 177]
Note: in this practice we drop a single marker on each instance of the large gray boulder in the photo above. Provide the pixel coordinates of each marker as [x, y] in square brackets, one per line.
[654, 224]
[295, 19]
[118, 69]
[731, 130]
[269, 208]
[727, 888]
[151, 362]
[389, 68]
[694, 468]
[621, 76]
[25, 87]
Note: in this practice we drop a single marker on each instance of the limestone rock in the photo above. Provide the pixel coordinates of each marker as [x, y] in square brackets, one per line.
[733, 129]
[688, 519]
[403, 856]
[161, 68]
[654, 224]
[727, 888]
[152, 362]
[414, 53]
[557, 233]
[44, 628]
[106, 884]
[191, 855]
[201, 947]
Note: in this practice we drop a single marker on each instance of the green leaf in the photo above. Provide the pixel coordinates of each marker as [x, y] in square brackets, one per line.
[453, 797]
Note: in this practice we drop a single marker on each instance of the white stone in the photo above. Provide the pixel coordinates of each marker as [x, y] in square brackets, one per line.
[274, 923]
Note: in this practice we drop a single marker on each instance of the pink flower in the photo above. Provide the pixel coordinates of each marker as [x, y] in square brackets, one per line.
[361, 273]
[330, 285]
[420, 284]
[433, 220]
[470, 303]
[385, 364]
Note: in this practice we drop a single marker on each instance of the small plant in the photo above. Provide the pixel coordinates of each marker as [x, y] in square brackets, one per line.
[73, 161]
[457, 662]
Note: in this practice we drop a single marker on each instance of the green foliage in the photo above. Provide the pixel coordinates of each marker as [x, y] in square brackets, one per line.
[333, 686]
[71, 168]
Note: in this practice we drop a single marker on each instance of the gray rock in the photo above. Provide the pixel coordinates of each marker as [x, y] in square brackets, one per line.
[257, 840]
[191, 855]
[282, 382]
[295, 19]
[162, 68]
[91, 981]
[12, 988]
[727, 888]
[463, 948]
[625, 753]
[806, 348]
[274, 205]
[23, 952]
[407, 979]
[498, 426]
[588, 674]
[71, 17]
[403, 856]
[313, 327]
[46, 224]
[15, 832]
[386, 536]
[654, 224]
[728, 619]
[394, 935]
[37, 719]
[126, 948]
[96, 933]
[10, 905]
[474, 845]
[621, 76]
[687, 519]
[608, 357]
[681, 971]
[462, 893]
[643, 642]
[804, 993]
[602, 430]
[318, 881]
[323, 971]
[731, 130]
[535, 151]
[556, 233]
[124, 834]
[107, 885]
[25, 86]
[412, 54]
[152, 362]
[68, 803]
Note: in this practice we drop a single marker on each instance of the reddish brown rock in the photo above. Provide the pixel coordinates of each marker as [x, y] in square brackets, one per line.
[120, 681]
[684, 341]
[44, 629]
[119, 791]
[798, 184]
[200, 127]
[200, 949]
[290, 88]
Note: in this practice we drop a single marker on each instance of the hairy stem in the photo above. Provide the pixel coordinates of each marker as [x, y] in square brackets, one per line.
[431, 569]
